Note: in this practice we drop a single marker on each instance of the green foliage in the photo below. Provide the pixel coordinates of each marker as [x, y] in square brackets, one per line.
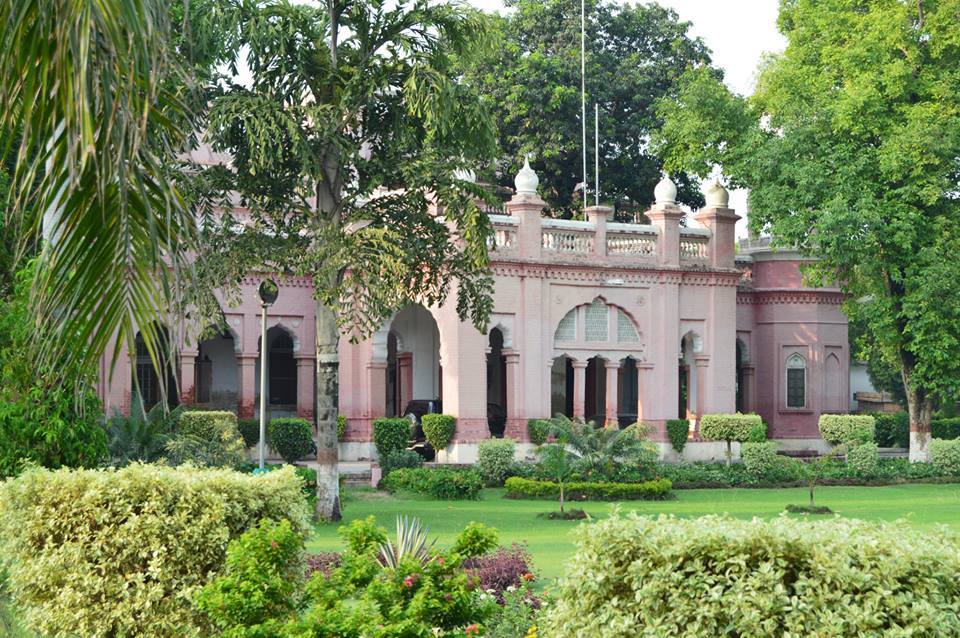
[759, 458]
[717, 576]
[390, 435]
[141, 436]
[258, 589]
[538, 430]
[729, 428]
[534, 74]
[341, 426]
[399, 459]
[849, 148]
[892, 429]
[678, 431]
[758, 433]
[49, 413]
[291, 438]
[495, 460]
[556, 462]
[945, 456]
[439, 429]
[863, 458]
[207, 439]
[441, 483]
[165, 529]
[837, 429]
[597, 453]
[476, 539]
[411, 545]
[250, 431]
[945, 427]
[655, 490]
[363, 535]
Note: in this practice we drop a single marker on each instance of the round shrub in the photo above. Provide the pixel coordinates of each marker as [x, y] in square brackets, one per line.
[837, 429]
[292, 439]
[476, 539]
[537, 430]
[945, 455]
[439, 429]
[678, 431]
[717, 576]
[399, 459]
[390, 435]
[759, 459]
[863, 459]
[207, 438]
[130, 575]
[495, 460]
[250, 431]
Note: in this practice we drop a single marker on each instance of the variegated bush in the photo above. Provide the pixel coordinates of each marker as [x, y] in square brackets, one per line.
[716, 576]
[102, 553]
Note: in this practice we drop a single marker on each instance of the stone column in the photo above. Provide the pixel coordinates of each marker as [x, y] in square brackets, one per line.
[246, 397]
[642, 368]
[610, 418]
[721, 221]
[700, 362]
[579, 388]
[514, 429]
[666, 216]
[748, 389]
[599, 216]
[188, 377]
[305, 384]
[526, 206]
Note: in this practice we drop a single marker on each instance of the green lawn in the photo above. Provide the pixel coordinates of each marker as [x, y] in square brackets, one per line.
[551, 543]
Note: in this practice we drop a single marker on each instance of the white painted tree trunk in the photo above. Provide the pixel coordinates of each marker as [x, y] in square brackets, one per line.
[328, 453]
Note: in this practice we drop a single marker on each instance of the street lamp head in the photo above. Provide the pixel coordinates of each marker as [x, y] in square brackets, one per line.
[268, 291]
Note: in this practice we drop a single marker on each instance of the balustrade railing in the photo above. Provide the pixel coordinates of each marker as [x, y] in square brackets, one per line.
[694, 249]
[631, 240]
[564, 241]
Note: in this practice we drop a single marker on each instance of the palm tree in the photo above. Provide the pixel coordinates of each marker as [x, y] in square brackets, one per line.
[596, 451]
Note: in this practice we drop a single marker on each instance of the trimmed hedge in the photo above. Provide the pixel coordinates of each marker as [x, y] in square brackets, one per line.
[207, 438]
[945, 427]
[538, 430]
[390, 435]
[122, 553]
[438, 429]
[759, 458]
[678, 431]
[863, 459]
[945, 455]
[837, 429]
[728, 427]
[718, 576]
[891, 429]
[655, 490]
[250, 431]
[291, 438]
[441, 483]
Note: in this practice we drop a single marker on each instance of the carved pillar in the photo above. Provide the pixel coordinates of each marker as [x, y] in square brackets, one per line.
[700, 362]
[579, 388]
[514, 429]
[642, 368]
[610, 418]
[748, 389]
[305, 384]
[246, 397]
[405, 378]
[188, 377]
[599, 215]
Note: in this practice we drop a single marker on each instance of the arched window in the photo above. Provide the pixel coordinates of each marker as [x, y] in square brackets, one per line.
[567, 330]
[596, 321]
[626, 332]
[796, 381]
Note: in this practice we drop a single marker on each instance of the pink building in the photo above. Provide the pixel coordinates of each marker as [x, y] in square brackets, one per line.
[606, 321]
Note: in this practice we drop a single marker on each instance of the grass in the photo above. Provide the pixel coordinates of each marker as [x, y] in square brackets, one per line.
[551, 542]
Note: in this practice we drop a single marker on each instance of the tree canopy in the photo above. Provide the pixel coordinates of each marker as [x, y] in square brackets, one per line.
[850, 149]
[635, 55]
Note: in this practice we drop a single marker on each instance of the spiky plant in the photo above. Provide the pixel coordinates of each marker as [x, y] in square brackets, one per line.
[411, 544]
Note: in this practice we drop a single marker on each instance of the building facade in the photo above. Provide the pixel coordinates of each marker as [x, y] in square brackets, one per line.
[609, 322]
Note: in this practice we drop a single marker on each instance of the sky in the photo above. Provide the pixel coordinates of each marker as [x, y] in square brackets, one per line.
[738, 33]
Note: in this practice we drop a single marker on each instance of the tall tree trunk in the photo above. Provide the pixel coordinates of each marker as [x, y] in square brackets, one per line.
[920, 408]
[328, 370]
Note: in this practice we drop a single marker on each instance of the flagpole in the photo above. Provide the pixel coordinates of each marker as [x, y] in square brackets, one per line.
[583, 93]
[596, 152]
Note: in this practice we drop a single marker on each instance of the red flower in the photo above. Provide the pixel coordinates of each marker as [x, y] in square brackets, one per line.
[273, 544]
[410, 580]
[527, 577]
[473, 630]
[440, 560]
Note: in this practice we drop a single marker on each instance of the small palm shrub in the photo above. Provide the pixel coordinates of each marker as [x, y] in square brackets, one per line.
[292, 439]
[390, 435]
[142, 436]
[207, 439]
[945, 455]
[717, 576]
[495, 460]
[439, 429]
[598, 453]
[838, 429]
[678, 431]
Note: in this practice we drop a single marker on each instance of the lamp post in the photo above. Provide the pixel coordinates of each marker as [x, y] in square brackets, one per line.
[268, 292]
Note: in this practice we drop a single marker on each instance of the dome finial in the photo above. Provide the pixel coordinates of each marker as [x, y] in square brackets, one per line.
[526, 180]
[665, 191]
[716, 195]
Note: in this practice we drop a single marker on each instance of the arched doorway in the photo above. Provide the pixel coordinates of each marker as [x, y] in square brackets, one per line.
[217, 378]
[690, 344]
[152, 381]
[740, 380]
[627, 392]
[415, 358]
[281, 372]
[496, 385]
[561, 387]
[392, 387]
[595, 391]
